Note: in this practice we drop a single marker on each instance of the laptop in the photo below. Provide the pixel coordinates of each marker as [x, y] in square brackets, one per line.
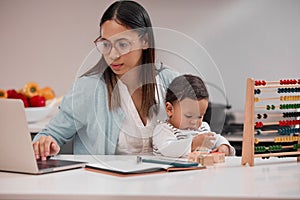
[16, 151]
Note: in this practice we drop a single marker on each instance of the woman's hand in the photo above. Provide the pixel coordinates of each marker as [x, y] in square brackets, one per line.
[204, 140]
[44, 147]
[222, 148]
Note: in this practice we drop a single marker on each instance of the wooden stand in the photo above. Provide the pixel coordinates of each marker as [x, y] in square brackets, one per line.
[248, 147]
[248, 132]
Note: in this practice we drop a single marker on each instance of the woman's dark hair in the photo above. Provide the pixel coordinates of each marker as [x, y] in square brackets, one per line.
[186, 86]
[133, 16]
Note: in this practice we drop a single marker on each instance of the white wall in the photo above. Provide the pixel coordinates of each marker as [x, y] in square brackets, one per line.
[47, 40]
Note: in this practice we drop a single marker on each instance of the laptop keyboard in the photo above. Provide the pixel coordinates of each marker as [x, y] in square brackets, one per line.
[53, 163]
[45, 164]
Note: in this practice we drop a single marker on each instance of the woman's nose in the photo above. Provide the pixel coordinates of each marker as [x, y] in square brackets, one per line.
[114, 53]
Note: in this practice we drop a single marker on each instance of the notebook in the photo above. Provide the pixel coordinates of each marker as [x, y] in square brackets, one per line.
[16, 152]
[142, 166]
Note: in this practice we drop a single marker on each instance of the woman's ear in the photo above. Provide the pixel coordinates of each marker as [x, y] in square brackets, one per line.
[145, 43]
[169, 109]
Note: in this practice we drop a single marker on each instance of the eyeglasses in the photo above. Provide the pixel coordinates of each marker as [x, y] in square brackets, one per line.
[123, 46]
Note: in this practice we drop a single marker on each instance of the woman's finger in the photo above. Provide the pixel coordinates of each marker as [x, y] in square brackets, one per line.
[54, 148]
[36, 149]
[47, 144]
[41, 147]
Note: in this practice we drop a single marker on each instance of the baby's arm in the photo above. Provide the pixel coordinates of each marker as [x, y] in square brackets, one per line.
[205, 138]
[203, 141]
[167, 144]
[223, 145]
[224, 148]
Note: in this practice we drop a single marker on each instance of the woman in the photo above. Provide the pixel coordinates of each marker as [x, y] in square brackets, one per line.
[113, 108]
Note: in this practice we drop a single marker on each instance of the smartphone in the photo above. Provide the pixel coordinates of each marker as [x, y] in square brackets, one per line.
[167, 161]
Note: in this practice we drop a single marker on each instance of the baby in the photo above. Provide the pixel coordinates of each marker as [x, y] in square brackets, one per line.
[184, 132]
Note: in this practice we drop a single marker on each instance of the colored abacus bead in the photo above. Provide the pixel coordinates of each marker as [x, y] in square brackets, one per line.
[288, 131]
[258, 82]
[260, 149]
[275, 148]
[258, 116]
[265, 116]
[281, 82]
[258, 132]
[259, 124]
[291, 114]
[257, 91]
[289, 106]
[289, 82]
[281, 98]
[296, 146]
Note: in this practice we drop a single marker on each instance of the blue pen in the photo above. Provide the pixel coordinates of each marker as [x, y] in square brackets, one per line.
[165, 161]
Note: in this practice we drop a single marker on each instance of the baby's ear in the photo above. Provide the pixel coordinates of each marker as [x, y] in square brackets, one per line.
[169, 109]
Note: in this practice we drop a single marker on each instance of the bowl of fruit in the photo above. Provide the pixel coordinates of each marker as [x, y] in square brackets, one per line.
[38, 102]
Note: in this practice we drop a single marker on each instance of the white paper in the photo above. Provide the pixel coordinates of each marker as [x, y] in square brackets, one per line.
[129, 166]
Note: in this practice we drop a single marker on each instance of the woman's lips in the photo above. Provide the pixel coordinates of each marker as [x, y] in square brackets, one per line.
[116, 66]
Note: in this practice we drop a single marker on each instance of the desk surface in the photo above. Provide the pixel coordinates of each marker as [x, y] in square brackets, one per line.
[269, 179]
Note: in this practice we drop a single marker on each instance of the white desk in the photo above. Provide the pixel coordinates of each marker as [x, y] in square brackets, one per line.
[268, 179]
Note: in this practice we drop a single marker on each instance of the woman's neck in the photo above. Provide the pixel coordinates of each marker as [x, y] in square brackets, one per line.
[132, 79]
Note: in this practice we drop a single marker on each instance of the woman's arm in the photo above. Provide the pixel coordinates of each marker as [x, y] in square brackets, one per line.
[69, 119]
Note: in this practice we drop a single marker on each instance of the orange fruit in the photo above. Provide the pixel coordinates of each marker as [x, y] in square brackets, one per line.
[47, 92]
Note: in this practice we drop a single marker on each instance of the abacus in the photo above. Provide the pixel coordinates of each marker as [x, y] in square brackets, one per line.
[285, 138]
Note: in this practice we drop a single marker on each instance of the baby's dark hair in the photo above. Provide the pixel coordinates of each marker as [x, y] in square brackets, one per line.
[186, 86]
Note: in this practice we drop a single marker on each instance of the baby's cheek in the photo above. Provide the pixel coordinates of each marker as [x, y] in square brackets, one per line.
[184, 123]
[200, 123]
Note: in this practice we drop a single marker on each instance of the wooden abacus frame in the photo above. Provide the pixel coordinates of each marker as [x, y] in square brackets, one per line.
[248, 147]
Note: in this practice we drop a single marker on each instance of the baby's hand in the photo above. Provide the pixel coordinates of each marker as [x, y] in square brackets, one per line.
[204, 140]
[222, 148]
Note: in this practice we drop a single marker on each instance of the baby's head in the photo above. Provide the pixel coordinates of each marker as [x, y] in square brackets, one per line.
[186, 102]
